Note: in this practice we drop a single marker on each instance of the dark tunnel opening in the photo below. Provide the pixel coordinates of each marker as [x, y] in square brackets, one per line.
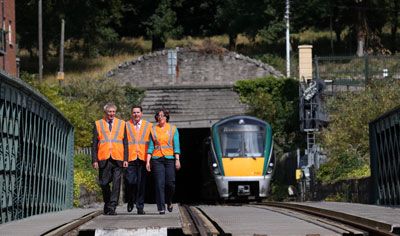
[189, 177]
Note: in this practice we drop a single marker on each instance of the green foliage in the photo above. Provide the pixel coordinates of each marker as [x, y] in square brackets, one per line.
[85, 176]
[346, 140]
[279, 192]
[345, 166]
[82, 100]
[273, 60]
[337, 197]
[91, 20]
[276, 101]
[162, 24]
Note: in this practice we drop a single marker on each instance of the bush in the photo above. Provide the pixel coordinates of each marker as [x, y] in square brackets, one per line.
[346, 140]
[274, 100]
[84, 175]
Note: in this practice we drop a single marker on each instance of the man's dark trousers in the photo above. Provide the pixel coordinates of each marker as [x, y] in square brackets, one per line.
[110, 171]
[135, 182]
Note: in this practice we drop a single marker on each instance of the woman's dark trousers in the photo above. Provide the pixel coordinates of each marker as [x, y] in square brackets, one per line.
[164, 177]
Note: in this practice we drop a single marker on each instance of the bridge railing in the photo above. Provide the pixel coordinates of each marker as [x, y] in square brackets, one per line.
[384, 135]
[356, 71]
[36, 153]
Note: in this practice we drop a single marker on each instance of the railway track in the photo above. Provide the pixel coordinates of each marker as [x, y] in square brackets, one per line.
[369, 226]
[235, 219]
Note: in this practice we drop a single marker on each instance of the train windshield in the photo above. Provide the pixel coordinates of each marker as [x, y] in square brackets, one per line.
[242, 140]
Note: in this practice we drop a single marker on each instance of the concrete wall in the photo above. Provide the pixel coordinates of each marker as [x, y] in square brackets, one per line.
[194, 67]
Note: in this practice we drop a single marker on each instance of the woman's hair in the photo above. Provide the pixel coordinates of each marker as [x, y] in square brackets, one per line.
[165, 111]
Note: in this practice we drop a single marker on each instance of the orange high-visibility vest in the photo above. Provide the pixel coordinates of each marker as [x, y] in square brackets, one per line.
[163, 139]
[138, 141]
[110, 143]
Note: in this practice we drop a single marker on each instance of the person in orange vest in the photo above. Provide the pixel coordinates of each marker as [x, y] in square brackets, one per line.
[163, 159]
[109, 154]
[138, 135]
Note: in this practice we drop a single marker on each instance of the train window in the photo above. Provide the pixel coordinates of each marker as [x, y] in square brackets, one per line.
[231, 143]
[242, 141]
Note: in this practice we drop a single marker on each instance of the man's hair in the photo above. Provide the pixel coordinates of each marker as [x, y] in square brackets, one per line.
[109, 105]
[137, 106]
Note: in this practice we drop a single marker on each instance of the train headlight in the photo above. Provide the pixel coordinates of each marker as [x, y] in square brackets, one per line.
[216, 169]
[270, 168]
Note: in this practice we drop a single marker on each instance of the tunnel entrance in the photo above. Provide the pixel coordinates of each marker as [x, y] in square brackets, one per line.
[189, 177]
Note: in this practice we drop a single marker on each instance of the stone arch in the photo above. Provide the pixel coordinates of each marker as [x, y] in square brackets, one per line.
[194, 67]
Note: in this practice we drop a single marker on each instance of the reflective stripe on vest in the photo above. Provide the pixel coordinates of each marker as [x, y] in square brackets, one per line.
[167, 148]
[110, 146]
[138, 147]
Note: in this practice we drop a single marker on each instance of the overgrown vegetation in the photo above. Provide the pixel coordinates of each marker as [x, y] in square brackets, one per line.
[84, 176]
[274, 100]
[346, 140]
[81, 100]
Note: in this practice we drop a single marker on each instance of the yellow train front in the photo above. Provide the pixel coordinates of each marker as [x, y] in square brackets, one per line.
[241, 158]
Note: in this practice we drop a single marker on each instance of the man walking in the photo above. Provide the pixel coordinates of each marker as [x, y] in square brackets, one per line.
[109, 155]
[138, 136]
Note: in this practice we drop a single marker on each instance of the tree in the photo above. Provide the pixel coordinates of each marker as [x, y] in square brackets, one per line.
[90, 20]
[95, 22]
[235, 17]
[197, 18]
[393, 8]
[162, 25]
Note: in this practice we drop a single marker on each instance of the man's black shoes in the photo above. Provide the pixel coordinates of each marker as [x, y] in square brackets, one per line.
[112, 213]
[170, 207]
[141, 212]
[130, 206]
[109, 212]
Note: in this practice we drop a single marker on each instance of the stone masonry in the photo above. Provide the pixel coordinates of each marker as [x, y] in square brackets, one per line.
[194, 67]
[199, 92]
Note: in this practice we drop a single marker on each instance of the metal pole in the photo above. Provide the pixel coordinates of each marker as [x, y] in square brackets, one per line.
[287, 39]
[62, 46]
[60, 75]
[40, 44]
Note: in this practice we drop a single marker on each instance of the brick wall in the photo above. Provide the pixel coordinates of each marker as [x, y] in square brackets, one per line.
[8, 53]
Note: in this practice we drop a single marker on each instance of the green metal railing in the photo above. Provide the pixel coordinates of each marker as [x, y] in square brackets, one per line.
[36, 153]
[353, 71]
[384, 135]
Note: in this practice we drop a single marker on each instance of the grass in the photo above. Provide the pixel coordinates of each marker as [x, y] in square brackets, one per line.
[77, 66]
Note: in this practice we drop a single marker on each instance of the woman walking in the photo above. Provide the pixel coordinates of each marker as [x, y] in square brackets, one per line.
[163, 159]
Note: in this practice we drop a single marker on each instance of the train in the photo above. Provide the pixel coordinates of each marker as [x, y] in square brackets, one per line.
[240, 159]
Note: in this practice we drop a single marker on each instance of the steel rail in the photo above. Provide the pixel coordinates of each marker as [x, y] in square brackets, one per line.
[371, 226]
[70, 226]
[203, 226]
